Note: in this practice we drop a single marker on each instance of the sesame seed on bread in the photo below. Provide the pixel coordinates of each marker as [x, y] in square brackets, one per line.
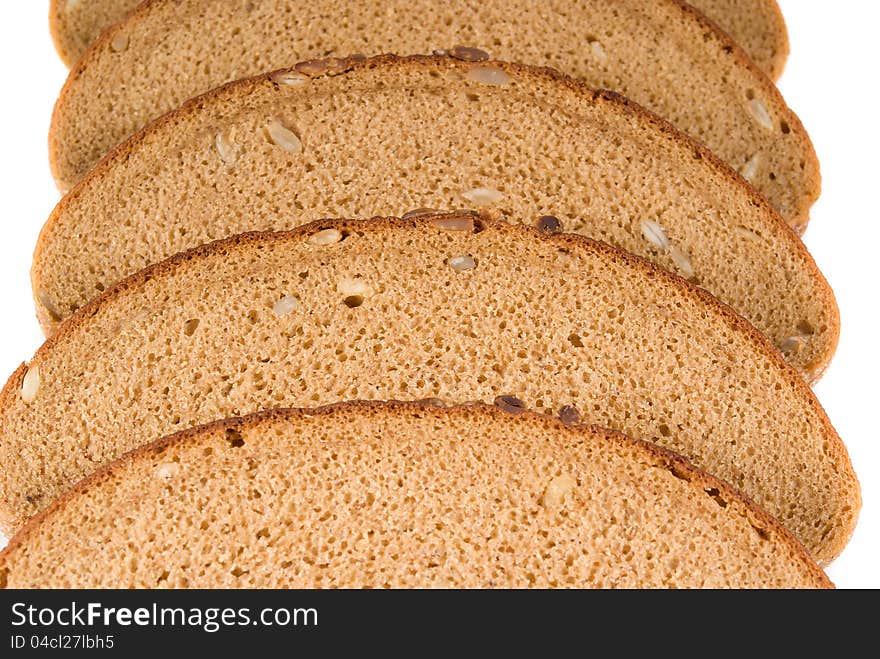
[450, 307]
[662, 54]
[358, 495]
[351, 138]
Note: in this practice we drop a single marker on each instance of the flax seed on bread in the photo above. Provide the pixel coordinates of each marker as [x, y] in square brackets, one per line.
[757, 25]
[448, 307]
[391, 135]
[391, 495]
[663, 54]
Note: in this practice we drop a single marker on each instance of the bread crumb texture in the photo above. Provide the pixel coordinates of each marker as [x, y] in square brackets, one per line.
[756, 25]
[662, 54]
[377, 310]
[388, 136]
[76, 24]
[402, 496]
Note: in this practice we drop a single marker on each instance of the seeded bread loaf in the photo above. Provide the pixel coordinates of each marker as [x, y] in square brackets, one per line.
[394, 495]
[757, 25]
[453, 308]
[663, 54]
[392, 135]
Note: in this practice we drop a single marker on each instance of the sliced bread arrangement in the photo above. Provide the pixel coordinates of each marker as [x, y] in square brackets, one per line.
[757, 25]
[449, 307]
[387, 136]
[358, 496]
[662, 54]
[588, 292]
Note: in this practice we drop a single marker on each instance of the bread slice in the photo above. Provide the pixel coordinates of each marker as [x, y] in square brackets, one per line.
[663, 54]
[75, 25]
[452, 308]
[391, 135]
[392, 495]
[757, 25]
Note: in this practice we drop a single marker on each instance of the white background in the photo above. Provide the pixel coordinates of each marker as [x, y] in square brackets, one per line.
[830, 81]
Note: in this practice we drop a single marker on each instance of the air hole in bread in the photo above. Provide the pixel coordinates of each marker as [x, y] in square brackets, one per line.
[354, 301]
[806, 328]
[190, 326]
[575, 340]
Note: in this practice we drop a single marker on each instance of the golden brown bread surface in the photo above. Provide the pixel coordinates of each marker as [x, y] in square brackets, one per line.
[453, 308]
[663, 54]
[757, 25]
[391, 135]
[392, 495]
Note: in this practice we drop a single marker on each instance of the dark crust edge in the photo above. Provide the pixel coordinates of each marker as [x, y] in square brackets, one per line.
[837, 453]
[799, 220]
[658, 457]
[782, 232]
